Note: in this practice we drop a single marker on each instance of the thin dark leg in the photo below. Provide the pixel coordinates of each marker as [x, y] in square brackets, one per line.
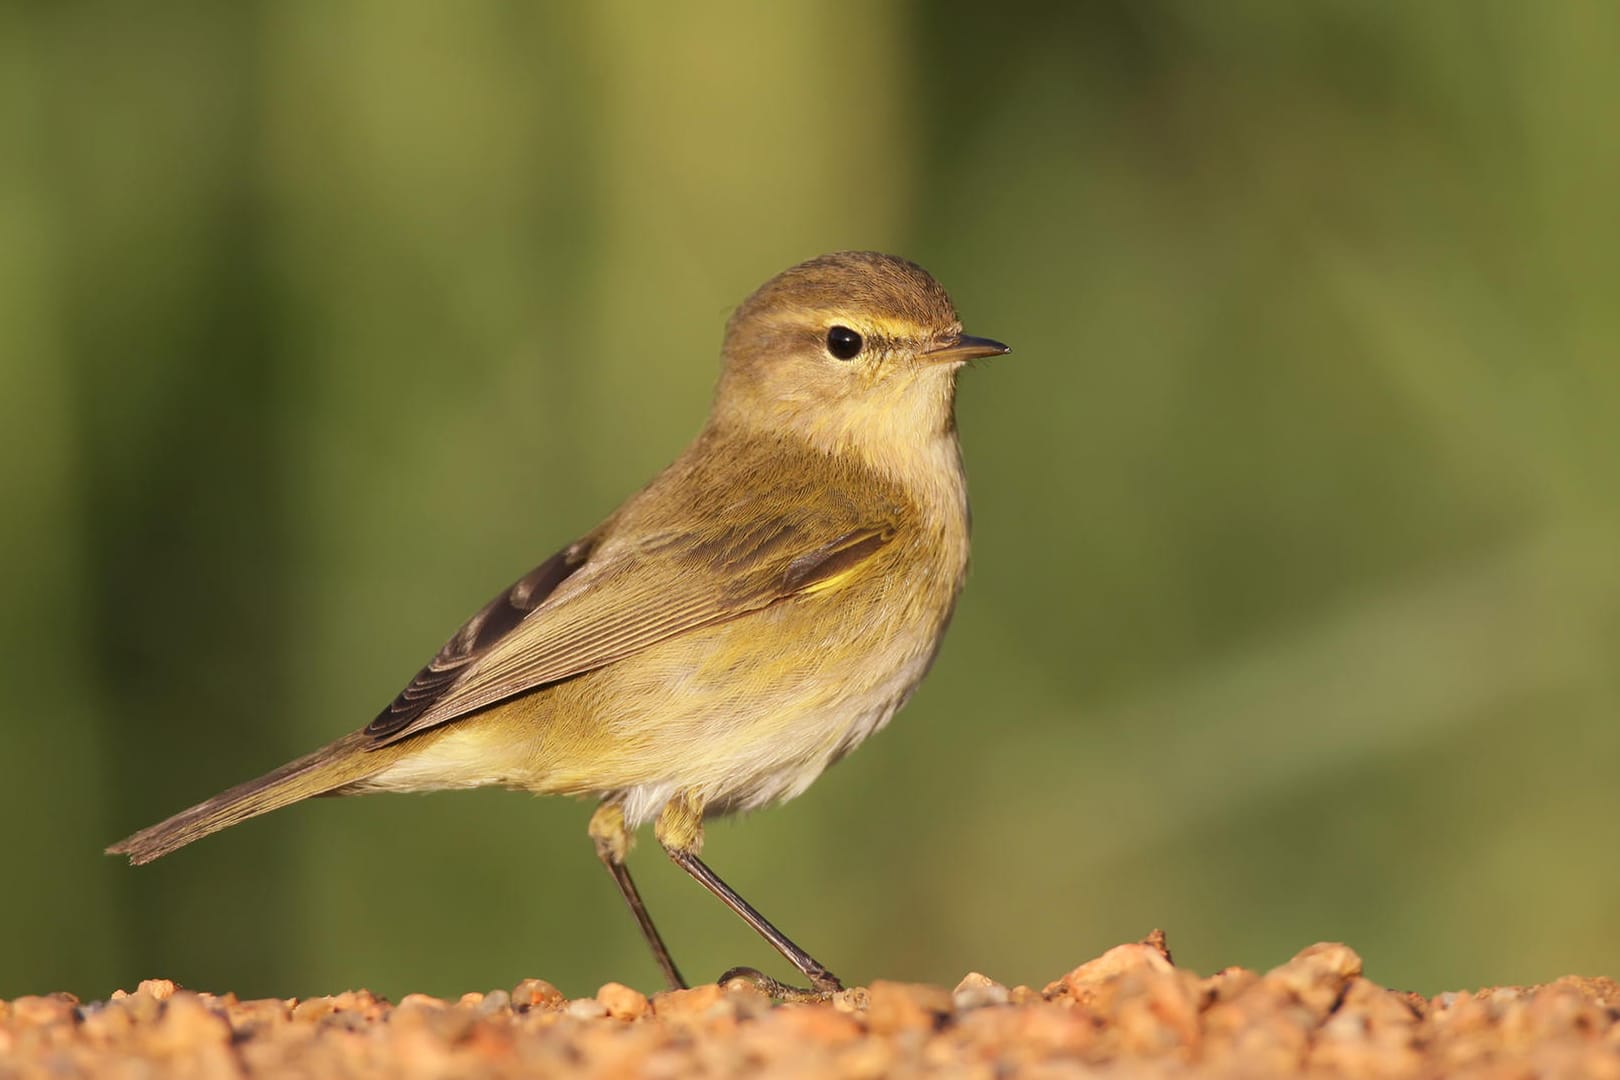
[824, 981]
[627, 889]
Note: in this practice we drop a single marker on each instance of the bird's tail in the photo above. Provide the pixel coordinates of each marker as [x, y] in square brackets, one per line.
[333, 766]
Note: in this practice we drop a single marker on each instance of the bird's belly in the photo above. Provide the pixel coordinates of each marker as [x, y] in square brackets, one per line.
[724, 715]
[742, 726]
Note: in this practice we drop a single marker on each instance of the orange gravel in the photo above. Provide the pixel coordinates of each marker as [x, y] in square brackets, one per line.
[1130, 1012]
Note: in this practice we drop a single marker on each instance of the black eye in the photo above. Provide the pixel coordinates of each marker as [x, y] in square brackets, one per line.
[844, 343]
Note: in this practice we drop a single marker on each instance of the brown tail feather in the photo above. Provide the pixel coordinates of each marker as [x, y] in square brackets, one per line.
[327, 769]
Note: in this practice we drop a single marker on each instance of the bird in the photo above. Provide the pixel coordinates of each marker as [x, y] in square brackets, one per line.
[742, 622]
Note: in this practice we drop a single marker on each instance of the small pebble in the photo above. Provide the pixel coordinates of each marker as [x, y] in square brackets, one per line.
[162, 989]
[586, 1009]
[312, 1009]
[494, 1002]
[976, 991]
[686, 1004]
[536, 993]
[621, 1002]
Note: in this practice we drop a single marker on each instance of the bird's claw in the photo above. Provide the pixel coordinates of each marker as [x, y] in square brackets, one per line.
[826, 984]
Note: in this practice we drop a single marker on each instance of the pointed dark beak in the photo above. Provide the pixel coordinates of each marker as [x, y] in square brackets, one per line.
[966, 348]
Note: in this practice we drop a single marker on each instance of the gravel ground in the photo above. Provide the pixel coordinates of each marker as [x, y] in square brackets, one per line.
[1130, 1012]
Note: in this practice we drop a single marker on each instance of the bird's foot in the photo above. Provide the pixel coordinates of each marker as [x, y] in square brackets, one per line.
[825, 985]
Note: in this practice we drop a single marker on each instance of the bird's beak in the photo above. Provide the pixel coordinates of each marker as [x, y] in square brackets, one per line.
[965, 348]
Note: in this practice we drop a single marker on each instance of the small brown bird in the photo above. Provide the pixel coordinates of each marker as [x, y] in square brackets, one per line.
[741, 623]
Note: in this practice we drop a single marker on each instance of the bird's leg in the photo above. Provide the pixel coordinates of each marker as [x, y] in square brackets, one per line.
[612, 841]
[680, 831]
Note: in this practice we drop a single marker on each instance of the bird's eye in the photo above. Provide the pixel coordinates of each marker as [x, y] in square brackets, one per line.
[844, 343]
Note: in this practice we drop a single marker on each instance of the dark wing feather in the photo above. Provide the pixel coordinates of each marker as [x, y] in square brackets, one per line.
[475, 638]
[594, 603]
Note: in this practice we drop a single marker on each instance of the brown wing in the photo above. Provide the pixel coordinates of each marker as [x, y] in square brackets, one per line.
[600, 600]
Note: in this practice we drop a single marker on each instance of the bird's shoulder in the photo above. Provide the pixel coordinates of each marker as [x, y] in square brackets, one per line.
[753, 493]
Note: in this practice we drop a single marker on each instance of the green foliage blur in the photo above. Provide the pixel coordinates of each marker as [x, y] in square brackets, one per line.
[1295, 611]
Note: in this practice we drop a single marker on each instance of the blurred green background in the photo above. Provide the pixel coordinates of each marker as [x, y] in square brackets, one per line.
[1295, 612]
